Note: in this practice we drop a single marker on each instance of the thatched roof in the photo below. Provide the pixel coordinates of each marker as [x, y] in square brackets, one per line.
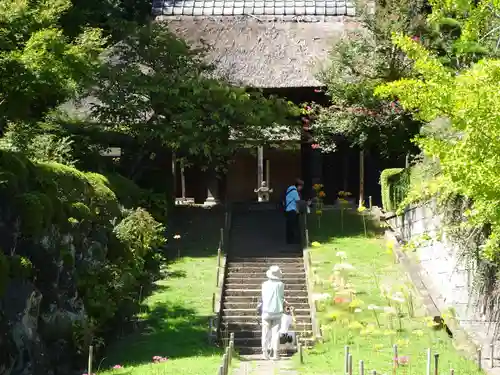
[263, 53]
[253, 7]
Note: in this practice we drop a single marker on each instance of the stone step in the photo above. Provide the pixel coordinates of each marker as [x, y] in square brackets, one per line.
[265, 266]
[253, 305]
[261, 271]
[247, 350]
[292, 300]
[229, 319]
[260, 280]
[262, 275]
[252, 252]
[288, 287]
[267, 260]
[257, 333]
[253, 312]
[232, 326]
[255, 293]
[256, 342]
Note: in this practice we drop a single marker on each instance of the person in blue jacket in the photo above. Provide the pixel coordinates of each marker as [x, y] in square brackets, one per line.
[292, 197]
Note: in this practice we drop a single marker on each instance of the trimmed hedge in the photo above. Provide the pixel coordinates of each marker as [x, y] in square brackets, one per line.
[394, 183]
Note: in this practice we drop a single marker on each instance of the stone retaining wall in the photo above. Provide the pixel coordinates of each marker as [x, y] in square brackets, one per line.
[448, 279]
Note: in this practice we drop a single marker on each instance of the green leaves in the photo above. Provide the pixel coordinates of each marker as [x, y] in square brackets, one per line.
[469, 154]
[40, 67]
[158, 89]
[360, 61]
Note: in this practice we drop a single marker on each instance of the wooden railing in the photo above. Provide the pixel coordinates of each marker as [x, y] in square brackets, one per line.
[227, 358]
[309, 285]
[401, 362]
[221, 273]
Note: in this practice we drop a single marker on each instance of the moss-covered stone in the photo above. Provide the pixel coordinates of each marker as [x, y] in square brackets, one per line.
[31, 211]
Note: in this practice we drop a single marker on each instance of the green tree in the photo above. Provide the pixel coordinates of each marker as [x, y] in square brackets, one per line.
[470, 157]
[158, 90]
[40, 67]
[115, 17]
[360, 61]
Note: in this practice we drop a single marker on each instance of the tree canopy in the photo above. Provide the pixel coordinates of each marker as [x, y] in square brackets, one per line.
[40, 67]
[469, 99]
[366, 58]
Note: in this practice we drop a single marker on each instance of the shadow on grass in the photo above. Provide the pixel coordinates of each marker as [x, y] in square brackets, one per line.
[169, 330]
[199, 231]
[337, 224]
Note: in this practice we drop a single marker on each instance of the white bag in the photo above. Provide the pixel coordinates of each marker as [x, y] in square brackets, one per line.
[286, 323]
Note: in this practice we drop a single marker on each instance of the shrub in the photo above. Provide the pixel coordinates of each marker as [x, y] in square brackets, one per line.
[72, 237]
[394, 184]
[140, 232]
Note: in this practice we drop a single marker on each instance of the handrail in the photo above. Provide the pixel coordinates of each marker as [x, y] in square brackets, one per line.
[307, 267]
[227, 358]
[221, 268]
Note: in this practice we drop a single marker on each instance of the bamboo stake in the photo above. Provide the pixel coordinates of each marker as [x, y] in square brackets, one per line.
[452, 372]
[361, 368]
[395, 358]
[370, 202]
[428, 370]
[225, 364]
[221, 370]
[492, 355]
[301, 353]
[91, 359]
[346, 359]
[228, 353]
[436, 364]
[221, 238]
[479, 358]
[213, 302]
[350, 364]
[374, 372]
[231, 351]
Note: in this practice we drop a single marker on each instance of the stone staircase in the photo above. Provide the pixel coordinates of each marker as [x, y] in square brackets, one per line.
[257, 242]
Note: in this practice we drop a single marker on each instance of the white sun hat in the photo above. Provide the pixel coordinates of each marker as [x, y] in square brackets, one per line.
[274, 273]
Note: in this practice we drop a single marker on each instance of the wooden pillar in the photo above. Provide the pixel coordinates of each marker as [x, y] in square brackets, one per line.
[260, 166]
[361, 178]
[174, 176]
[183, 180]
[268, 173]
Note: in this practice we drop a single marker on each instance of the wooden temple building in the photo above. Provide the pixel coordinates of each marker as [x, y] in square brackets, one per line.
[277, 46]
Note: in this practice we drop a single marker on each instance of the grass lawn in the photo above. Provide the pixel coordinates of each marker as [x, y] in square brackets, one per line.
[176, 314]
[349, 319]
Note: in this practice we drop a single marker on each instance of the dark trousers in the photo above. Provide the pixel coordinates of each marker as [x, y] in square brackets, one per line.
[292, 227]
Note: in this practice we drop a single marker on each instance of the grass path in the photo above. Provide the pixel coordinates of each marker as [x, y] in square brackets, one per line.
[350, 320]
[176, 315]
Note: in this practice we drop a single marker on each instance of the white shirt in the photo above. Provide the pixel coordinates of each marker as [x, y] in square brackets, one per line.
[273, 297]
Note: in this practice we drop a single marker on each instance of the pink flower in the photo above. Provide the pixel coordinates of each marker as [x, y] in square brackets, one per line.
[315, 146]
[415, 38]
[317, 90]
[402, 360]
[116, 367]
[308, 108]
[158, 359]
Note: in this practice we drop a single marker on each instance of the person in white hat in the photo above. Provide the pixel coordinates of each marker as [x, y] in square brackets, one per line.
[273, 299]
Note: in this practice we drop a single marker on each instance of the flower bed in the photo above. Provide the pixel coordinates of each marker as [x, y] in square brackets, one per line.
[366, 302]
